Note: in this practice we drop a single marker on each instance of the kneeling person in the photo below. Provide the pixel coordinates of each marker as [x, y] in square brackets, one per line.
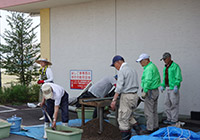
[55, 96]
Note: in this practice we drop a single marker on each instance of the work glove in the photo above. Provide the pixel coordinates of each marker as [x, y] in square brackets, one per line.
[143, 95]
[175, 89]
[162, 89]
[40, 81]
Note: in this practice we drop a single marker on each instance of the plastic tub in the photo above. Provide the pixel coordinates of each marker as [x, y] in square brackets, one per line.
[64, 133]
[4, 129]
[112, 119]
[88, 112]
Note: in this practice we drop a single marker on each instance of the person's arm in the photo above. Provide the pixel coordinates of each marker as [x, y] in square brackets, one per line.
[148, 80]
[43, 102]
[178, 76]
[55, 116]
[49, 74]
[114, 100]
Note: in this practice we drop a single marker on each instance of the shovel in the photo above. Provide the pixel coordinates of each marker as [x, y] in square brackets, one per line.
[44, 109]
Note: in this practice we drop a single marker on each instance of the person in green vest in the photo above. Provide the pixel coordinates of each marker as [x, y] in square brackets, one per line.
[46, 76]
[150, 82]
[172, 79]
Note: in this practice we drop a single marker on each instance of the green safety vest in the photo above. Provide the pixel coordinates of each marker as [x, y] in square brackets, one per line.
[42, 72]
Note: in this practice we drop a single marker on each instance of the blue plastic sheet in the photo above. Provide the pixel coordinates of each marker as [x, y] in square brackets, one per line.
[35, 132]
[170, 133]
[76, 122]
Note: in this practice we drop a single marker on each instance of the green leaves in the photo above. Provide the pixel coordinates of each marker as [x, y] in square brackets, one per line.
[20, 51]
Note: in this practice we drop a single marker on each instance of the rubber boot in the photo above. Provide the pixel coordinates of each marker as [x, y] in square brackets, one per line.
[126, 135]
[64, 124]
[137, 128]
[46, 124]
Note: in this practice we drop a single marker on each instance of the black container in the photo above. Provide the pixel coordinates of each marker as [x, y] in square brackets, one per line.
[195, 115]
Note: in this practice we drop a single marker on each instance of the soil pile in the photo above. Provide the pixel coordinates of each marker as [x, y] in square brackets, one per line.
[91, 128]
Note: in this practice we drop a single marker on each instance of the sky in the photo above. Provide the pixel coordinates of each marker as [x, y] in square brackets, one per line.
[3, 24]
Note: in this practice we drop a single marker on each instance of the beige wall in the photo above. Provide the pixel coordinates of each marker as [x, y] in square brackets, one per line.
[87, 36]
[45, 33]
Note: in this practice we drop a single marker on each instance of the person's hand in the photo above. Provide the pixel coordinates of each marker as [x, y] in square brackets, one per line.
[143, 95]
[112, 105]
[40, 81]
[162, 89]
[41, 104]
[53, 125]
[175, 89]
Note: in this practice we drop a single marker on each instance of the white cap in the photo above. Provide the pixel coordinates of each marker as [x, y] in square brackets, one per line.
[47, 91]
[142, 57]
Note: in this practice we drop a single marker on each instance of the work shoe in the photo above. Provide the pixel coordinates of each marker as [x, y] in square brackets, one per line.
[126, 135]
[137, 128]
[42, 118]
[172, 123]
[166, 122]
[146, 132]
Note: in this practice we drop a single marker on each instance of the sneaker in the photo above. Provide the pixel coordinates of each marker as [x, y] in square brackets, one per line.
[166, 122]
[42, 118]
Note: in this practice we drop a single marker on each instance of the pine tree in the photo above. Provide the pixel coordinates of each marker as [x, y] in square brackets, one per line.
[20, 51]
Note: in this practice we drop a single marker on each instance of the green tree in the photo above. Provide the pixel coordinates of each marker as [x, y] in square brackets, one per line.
[20, 50]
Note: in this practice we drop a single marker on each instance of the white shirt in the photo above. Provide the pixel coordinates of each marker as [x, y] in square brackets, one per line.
[58, 93]
[102, 87]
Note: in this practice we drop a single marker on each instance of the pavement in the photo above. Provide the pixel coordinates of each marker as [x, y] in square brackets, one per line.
[30, 116]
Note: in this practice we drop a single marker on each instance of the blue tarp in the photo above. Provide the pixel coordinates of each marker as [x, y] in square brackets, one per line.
[172, 133]
[35, 132]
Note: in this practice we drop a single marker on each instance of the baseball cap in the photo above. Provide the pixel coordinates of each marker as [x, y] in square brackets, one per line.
[142, 57]
[47, 91]
[165, 55]
[115, 59]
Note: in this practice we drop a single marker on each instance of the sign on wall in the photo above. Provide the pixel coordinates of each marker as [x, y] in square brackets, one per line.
[80, 78]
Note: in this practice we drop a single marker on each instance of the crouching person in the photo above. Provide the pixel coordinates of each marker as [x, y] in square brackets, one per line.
[54, 96]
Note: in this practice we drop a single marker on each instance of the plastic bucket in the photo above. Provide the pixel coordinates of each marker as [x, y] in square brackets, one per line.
[15, 123]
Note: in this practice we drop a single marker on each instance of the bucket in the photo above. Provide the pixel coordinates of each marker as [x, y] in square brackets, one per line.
[15, 123]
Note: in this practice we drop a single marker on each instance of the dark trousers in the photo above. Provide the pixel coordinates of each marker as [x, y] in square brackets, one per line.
[63, 107]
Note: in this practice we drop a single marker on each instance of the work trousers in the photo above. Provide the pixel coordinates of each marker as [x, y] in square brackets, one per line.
[150, 109]
[63, 107]
[172, 105]
[128, 102]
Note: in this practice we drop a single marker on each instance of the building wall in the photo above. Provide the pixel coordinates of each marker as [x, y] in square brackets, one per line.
[87, 36]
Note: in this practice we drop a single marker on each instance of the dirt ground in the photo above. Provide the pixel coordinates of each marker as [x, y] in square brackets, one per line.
[91, 128]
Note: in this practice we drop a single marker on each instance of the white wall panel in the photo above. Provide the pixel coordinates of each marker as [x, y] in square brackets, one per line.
[83, 37]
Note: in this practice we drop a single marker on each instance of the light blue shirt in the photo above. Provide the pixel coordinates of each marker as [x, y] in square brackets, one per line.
[102, 87]
[127, 81]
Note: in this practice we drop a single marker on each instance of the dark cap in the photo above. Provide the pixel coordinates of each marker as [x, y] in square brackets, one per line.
[165, 55]
[115, 59]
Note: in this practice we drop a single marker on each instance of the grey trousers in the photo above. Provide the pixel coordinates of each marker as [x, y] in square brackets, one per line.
[150, 109]
[172, 105]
